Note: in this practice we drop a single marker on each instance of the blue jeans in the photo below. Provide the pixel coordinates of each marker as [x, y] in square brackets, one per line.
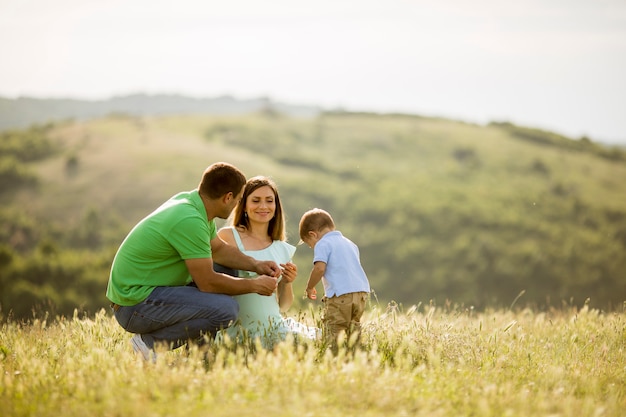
[175, 315]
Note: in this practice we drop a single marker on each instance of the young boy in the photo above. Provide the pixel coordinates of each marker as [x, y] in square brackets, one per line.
[336, 262]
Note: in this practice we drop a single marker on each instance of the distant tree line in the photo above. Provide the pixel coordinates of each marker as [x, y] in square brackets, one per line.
[584, 144]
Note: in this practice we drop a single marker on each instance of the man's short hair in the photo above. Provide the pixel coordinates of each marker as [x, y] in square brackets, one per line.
[221, 178]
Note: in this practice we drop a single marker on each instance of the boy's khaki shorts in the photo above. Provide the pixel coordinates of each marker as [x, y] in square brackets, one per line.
[344, 312]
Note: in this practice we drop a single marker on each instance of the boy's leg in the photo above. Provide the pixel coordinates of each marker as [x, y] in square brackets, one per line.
[359, 302]
[337, 317]
[174, 315]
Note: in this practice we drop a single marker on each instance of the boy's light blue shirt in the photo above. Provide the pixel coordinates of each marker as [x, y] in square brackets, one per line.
[344, 273]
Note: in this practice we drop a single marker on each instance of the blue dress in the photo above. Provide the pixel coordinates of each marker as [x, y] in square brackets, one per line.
[259, 315]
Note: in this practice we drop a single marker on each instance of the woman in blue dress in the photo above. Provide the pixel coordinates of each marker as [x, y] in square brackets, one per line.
[257, 228]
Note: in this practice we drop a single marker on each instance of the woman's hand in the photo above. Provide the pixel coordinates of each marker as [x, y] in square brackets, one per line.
[290, 272]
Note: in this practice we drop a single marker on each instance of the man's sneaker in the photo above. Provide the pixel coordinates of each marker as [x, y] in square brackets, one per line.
[140, 346]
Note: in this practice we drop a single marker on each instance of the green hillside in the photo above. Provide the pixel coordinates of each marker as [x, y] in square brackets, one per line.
[441, 210]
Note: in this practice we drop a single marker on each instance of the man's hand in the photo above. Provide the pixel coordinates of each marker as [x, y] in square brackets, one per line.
[270, 268]
[265, 285]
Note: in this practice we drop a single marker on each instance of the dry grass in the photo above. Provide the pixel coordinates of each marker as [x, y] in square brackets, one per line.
[419, 362]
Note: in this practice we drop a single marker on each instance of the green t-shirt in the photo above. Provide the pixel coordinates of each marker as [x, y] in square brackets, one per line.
[154, 252]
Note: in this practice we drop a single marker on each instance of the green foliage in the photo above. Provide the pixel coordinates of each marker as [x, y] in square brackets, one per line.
[28, 145]
[89, 232]
[18, 230]
[14, 175]
[440, 210]
[53, 280]
[18, 148]
[72, 164]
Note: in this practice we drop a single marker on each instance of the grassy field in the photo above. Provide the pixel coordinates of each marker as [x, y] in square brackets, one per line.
[423, 361]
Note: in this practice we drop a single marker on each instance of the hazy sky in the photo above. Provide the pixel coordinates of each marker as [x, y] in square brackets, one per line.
[552, 64]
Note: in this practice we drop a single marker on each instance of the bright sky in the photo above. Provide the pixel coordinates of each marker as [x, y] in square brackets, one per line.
[552, 64]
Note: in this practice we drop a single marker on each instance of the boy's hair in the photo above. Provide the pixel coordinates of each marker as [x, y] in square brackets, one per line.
[315, 220]
[221, 178]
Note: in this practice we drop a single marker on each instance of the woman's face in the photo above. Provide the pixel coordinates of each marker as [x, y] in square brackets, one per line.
[261, 204]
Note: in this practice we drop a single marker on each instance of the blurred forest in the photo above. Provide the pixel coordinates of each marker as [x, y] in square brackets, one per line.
[444, 212]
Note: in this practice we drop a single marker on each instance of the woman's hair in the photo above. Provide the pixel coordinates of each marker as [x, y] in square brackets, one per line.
[276, 227]
[219, 179]
[315, 220]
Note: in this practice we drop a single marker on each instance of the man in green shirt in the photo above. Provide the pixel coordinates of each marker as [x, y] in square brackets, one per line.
[163, 286]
